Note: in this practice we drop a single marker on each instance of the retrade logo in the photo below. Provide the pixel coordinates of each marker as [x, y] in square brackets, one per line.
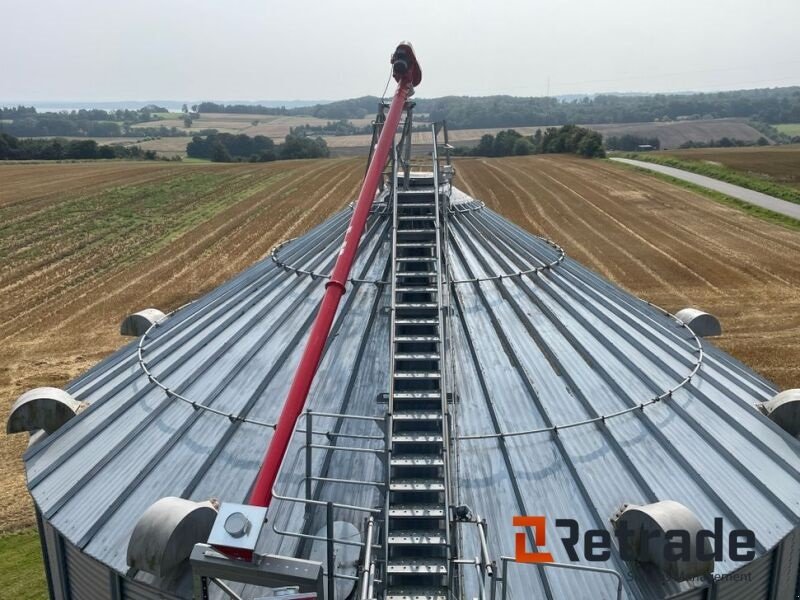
[679, 544]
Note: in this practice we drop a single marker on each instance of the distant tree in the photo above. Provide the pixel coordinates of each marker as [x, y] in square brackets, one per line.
[523, 147]
[187, 121]
[219, 153]
[762, 141]
[184, 109]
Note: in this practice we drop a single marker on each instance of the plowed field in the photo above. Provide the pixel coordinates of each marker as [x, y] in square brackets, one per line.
[82, 245]
[663, 243]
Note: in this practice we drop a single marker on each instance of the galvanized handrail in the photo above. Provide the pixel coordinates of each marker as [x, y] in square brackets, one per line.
[509, 559]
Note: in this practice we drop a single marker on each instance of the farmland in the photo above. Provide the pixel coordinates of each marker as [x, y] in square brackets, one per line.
[84, 244]
[672, 134]
[663, 243]
[777, 164]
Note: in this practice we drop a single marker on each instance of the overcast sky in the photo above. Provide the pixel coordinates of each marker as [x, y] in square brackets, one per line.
[298, 49]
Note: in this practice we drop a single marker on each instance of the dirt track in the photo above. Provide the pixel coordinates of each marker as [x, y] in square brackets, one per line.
[81, 245]
[662, 243]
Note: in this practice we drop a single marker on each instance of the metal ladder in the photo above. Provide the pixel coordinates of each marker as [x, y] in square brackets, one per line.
[417, 529]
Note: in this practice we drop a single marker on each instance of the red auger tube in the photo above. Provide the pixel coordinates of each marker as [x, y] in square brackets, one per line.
[408, 74]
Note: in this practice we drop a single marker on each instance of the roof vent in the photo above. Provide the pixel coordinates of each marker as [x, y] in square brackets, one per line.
[45, 408]
[138, 323]
[702, 323]
[649, 529]
[166, 533]
[784, 410]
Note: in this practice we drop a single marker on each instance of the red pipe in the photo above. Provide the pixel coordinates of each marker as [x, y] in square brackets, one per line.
[407, 73]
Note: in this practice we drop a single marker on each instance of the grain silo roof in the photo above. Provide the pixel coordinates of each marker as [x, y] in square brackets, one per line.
[572, 398]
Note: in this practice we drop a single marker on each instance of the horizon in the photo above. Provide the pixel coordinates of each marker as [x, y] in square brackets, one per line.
[301, 103]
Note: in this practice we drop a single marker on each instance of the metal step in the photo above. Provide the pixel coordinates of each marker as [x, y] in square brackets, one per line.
[416, 593]
[417, 218]
[416, 460]
[417, 395]
[417, 375]
[416, 338]
[417, 244]
[417, 538]
[413, 259]
[417, 305]
[411, 321]
[416, 485]
[421, 566]
[417, 511]
[416, 204]
[417, 356]
[417, 438]
[420, 289]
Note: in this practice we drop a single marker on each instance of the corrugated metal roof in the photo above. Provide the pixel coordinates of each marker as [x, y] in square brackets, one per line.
[557, 354]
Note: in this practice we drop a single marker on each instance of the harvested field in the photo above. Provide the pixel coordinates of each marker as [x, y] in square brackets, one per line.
[83, 244]
[663, 243]
[671, 134]
[276, 127]
[780, 164]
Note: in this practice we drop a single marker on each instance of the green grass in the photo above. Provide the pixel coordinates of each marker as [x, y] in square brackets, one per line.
[751, 209]
[723, 173]
[789, 128]
[21, 568]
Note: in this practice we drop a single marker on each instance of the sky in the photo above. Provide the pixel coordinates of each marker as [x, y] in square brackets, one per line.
[105, 50]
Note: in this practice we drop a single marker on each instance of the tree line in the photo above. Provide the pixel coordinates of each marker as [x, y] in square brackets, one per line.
[773, 105]
[569, 139]
[13, 148]
[228, 147]
[26, 121]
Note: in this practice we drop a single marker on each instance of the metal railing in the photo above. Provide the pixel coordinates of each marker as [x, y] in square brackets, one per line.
[305, 485]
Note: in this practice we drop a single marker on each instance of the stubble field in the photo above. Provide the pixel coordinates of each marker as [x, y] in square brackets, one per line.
[83, 244]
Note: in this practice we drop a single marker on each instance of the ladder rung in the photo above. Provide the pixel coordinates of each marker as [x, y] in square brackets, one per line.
[416, 244]
[420, 305]
[420, 593]
[416, 321]
[417, 460]
[417, 438]
[416, 356]
[417, 273]
[416, 338]
[409, 259]
[421, 566]
[417, 395]
[417, 218]
[416, 485]
[431, 231]
[416, 375]
[417, 511]
[421, 289]
[409, 538]
[417, 204]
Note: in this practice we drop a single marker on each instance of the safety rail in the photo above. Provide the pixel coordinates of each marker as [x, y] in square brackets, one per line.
[444, 316]
[503, 579]
[305, 486]
[485, 567]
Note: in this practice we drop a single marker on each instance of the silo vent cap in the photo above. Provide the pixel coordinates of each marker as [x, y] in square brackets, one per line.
[138, 323]
[647, 528]
[44, 408]
[784, 410]
[166, 533]
[701, 323]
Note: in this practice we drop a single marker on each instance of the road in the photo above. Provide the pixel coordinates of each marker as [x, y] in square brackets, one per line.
[735, 191]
